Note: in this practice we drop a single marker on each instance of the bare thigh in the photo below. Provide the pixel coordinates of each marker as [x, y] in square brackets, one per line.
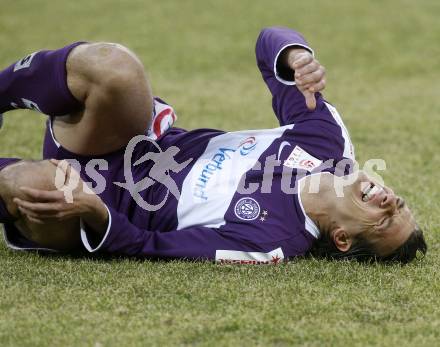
[40, 175]
[111, 83]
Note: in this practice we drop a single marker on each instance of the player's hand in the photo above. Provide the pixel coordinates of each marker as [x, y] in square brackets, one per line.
[309, 74]
[71, 199]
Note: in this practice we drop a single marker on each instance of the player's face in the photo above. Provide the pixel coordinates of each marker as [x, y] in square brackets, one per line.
[377, 212]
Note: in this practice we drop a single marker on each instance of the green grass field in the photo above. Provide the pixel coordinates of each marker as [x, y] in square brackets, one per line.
[383, 70]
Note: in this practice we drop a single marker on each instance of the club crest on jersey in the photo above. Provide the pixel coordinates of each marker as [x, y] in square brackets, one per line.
[300, 159]
[247, 209]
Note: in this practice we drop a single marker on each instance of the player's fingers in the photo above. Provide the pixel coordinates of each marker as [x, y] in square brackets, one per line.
[43, 217]
[308, 68]
[35, 220]
[26, 212]
[42, 195]
[304, 87]
[31, 216]
[317, 87]
[313, 77]
[313, 87]
[310, 100]
[301, 59]
[46, 209]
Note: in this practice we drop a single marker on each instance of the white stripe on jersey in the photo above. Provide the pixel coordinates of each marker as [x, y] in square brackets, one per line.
[209, 187]
[348, 148]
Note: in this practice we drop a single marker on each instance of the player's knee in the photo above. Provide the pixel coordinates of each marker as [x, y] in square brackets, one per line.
[38, 175]
[109, 65]
[33, 174]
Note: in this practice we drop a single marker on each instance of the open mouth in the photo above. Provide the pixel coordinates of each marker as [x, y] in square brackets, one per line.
[370, 192]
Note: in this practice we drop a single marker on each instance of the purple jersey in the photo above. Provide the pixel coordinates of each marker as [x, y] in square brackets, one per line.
[228, 199]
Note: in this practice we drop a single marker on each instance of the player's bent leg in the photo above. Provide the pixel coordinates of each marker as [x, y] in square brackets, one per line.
[97, 94]
[39, 175]
[111, 83]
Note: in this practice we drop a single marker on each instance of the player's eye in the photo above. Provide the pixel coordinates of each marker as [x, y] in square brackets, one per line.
[385, 223]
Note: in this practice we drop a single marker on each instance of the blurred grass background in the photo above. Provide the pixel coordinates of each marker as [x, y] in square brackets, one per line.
[383, 69]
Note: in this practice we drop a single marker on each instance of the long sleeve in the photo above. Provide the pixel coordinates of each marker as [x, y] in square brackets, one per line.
[288, 102]
[123, 237]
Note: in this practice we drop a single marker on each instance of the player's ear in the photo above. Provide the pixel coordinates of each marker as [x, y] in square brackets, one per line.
[341, 239]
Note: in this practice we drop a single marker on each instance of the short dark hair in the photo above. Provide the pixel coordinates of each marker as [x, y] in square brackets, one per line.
[363, 251]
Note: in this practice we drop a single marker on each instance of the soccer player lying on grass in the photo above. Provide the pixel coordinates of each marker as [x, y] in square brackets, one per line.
[254, 196]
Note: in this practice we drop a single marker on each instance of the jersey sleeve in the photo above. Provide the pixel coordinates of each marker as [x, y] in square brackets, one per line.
[287, 101]
[194, 243]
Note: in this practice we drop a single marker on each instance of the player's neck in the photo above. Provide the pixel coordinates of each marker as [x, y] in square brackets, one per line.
[314, 191]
